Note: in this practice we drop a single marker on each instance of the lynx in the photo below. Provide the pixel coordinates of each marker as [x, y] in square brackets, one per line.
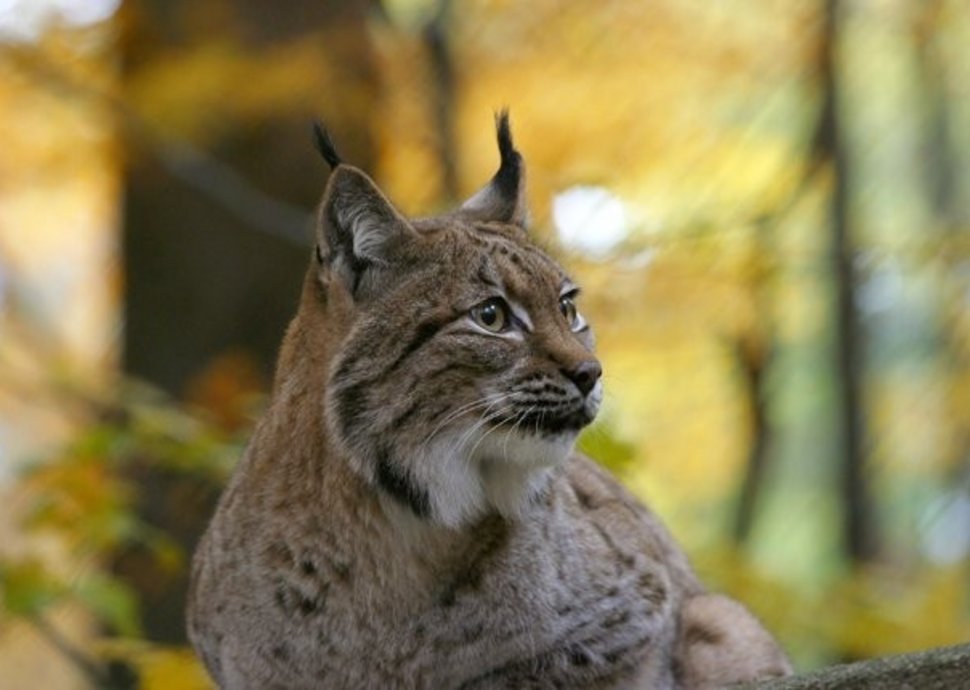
[410, 512]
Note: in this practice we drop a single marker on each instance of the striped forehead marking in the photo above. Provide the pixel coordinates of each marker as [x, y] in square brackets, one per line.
[500, 242]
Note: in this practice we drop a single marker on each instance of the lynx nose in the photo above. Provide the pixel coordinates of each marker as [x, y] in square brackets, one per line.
[584, 375]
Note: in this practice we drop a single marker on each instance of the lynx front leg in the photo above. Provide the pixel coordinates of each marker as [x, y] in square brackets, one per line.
[721, 643]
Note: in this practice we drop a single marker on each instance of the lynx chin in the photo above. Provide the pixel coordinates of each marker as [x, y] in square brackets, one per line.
[410, 512]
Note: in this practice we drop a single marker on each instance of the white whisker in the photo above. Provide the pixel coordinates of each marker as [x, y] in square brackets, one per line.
[467, 408]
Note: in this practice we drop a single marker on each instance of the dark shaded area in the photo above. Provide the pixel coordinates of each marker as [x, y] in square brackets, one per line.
[198, 283]
[214, 256]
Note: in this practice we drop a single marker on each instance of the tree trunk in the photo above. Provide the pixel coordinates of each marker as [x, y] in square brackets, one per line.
[443, 88]
[754, 360]
[941, 176]
[858, 528]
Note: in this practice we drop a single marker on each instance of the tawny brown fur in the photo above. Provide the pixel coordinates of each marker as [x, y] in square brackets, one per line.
[409, 513]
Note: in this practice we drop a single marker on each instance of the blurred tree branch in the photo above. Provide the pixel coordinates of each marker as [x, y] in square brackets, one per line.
[96, 674]
[946, 668]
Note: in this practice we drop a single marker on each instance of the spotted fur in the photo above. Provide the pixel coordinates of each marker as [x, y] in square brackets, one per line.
[410, 512]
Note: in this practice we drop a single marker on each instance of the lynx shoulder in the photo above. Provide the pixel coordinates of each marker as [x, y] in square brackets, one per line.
[410, 512]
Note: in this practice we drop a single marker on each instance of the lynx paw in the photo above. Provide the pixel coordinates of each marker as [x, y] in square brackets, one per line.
[721, 643]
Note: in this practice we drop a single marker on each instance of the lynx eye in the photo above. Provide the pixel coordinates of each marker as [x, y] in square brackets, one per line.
[492, 315]
[568, 308]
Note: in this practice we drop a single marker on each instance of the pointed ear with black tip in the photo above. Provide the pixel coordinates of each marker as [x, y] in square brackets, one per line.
[503, 198]
[359, 231]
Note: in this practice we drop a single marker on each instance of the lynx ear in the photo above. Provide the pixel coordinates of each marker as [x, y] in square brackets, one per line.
[359, 229]
[503, 198]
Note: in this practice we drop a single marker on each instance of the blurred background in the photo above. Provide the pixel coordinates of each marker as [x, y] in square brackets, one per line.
[768, 203]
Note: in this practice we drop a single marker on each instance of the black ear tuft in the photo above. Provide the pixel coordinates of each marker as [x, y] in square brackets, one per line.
[510, 169]
[324, 144]
[503, 198]
[504, 131]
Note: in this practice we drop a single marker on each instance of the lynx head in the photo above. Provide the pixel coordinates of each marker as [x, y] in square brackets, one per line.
[465, 371]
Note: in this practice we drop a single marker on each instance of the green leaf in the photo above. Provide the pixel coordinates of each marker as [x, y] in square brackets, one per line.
[111, 600]
[27, 588]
